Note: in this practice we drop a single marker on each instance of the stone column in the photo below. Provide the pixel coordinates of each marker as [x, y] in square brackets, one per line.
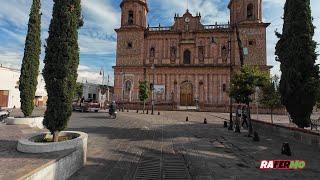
[220, 89]
[206, 86]
[196, 86]
[178, 89]
[210, 89]
[216, 87]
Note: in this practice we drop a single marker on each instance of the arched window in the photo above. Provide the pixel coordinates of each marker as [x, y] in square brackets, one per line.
[128, 85]
[187, 57]
[250, 11]
[130, 17]
[152, 52]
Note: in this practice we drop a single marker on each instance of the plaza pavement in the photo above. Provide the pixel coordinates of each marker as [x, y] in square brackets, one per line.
[120, 149]
[140, 146]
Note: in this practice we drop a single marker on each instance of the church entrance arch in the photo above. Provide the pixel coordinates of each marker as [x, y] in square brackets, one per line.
[186, 94]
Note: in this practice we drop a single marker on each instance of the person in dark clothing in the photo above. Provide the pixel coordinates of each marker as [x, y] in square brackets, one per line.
[244, 116]
[81, 101]
[112, 108]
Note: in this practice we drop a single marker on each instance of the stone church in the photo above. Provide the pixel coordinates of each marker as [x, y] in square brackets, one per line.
[189, 62]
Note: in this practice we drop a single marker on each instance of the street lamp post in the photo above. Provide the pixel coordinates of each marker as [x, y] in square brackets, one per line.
[152, 97]
[108, 90]
[231, 72]
[102, 84]
[257, 101]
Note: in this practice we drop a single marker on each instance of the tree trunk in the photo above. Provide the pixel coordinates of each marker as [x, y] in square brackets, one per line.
[144, 106]
[56, 136]
[272, 115]
[250, 132]
[231, 116]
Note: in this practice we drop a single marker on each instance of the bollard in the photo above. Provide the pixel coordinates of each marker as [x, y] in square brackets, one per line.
[147, 111]
[225, 124]
[286, 149]
[137, 111]
[158, 113]
[122, 109]
[187, 119]
[205, 121]
[230, 126]
[256, 137]
[237, 128]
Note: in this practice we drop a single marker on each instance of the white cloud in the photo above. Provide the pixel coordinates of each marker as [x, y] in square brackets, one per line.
[101, 14]
[93, 45]
[11, 59]
[86, 74]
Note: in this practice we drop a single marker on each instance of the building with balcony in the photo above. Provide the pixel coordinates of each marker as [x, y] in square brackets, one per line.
[191, 62]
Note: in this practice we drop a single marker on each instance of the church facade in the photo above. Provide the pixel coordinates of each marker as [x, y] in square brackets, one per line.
[188, 62]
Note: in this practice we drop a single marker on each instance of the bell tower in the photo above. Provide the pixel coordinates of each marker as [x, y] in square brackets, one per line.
[130, 35]
[245, 11]
[246, 19]
[134, 13]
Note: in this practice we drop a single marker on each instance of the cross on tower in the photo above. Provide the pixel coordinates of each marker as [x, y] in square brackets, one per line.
[187, 4]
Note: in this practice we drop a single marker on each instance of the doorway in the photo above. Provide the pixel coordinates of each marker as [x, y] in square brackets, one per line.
[186, 94]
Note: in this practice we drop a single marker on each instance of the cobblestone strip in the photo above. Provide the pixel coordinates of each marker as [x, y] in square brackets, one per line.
[120, 168]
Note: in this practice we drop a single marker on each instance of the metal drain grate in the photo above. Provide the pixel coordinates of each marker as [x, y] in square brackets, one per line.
[149, 168]
[174, 168]
[166, 167]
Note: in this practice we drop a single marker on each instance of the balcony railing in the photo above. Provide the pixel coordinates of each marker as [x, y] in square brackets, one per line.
[207, 27]
[216, 26]
[159, 28]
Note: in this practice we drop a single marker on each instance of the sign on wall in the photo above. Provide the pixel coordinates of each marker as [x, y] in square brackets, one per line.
[159, 89]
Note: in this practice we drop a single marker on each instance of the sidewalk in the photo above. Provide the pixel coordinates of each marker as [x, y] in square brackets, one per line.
[14, 164]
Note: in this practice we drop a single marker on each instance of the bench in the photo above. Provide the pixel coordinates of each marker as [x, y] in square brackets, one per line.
[315, 123]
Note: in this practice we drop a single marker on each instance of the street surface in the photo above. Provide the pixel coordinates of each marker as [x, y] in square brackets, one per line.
[140, 146]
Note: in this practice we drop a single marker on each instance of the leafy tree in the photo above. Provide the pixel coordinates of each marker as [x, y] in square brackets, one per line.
[30, 64]
[61, 64]
[143, 93]
[79, 91]
[296, 51]
[243, 85]
[270, 96]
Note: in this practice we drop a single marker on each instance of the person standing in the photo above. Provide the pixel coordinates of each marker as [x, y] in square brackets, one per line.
[244, 116]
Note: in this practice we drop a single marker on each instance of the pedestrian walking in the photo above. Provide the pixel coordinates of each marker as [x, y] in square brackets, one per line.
[244, 116]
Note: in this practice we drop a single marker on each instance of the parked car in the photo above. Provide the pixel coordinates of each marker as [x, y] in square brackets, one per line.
[88, 105]
[4, 114]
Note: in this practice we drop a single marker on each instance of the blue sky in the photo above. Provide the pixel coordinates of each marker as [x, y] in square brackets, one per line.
[97, 38]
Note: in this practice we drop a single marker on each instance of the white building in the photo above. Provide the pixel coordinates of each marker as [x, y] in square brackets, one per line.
[95, 92]
[9, 89]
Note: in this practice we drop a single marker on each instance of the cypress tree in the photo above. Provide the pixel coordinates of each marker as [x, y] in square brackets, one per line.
[296, 51]
[61, 64]
[30, 63]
